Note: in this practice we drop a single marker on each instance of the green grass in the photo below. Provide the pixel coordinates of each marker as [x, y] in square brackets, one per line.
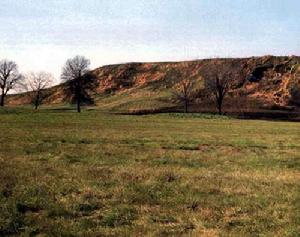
[98, 174]
[134, 100]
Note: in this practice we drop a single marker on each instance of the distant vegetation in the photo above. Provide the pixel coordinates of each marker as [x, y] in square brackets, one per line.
[295, 87]
[36, 85]
[185, 90]
[237, 86]
[76, 75]
[9, 78]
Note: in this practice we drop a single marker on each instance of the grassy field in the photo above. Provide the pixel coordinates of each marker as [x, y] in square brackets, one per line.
[97, 174]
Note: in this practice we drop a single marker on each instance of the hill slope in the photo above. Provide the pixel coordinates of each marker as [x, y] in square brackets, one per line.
[262, 83]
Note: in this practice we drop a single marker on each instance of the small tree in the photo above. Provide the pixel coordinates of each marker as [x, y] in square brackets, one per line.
[184, 92]
[9, 78]
[74, 73]
[36, 83]
[294, 87]
[219, 80]
[219, 87]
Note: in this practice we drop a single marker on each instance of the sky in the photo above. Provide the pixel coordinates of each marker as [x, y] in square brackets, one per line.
[43, 34]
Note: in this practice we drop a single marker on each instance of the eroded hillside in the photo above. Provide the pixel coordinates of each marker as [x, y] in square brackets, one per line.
[261, 83]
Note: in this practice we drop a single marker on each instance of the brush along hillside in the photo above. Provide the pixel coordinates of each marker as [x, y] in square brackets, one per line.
[259, 83]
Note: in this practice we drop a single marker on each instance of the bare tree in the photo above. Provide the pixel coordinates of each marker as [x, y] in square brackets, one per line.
[294, 87]
[219, 87]
[36, 83]
[184, 92]
[219, 80]
[74, 73]
[9, 78]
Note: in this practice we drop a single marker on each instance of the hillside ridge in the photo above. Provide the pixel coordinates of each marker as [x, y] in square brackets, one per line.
[266, 82]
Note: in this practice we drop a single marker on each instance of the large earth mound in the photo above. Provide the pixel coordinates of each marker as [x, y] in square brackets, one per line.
[262, 83]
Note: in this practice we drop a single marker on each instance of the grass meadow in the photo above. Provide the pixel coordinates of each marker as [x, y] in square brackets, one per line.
[100, 174]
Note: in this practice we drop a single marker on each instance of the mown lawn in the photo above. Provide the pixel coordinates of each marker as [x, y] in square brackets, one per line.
[97, 174]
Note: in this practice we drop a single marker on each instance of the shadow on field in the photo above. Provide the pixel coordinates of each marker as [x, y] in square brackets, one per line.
[271, 115]
[268, 115]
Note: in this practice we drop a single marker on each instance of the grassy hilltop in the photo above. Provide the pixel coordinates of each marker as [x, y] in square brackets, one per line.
[96, 174]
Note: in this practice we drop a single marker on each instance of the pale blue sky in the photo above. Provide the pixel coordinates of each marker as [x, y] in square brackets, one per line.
[42, 34]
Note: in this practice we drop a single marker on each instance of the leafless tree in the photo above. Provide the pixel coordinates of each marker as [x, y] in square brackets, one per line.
[9, 78]
[36, 83]
[219, 80]
[184, 92]
[74, 73]
[294, 87]
[219, 87]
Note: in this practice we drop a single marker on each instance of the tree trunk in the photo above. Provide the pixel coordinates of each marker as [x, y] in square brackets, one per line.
[2, 100]
[78, 94]
[220, 108]
[78, 105]
[78, 100]
[185, 106]
[220, 98]
[37, 101]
